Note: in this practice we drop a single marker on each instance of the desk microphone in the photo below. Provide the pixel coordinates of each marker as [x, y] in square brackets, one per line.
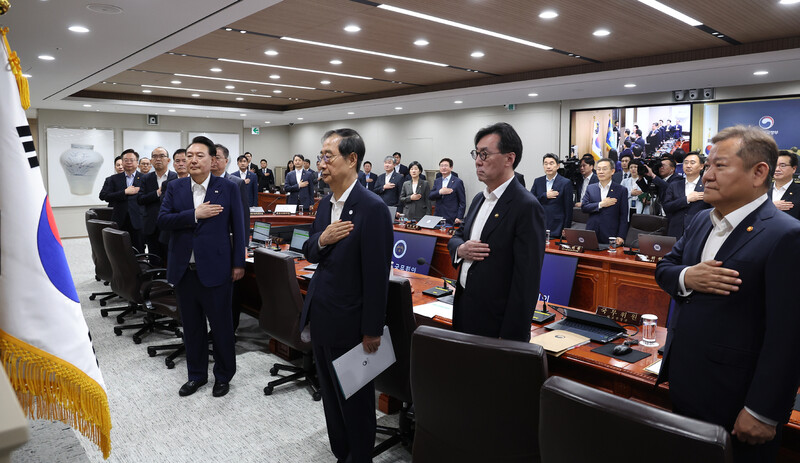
[267, 209]
[542, 316]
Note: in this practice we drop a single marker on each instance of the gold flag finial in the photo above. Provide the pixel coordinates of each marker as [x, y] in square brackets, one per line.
[4, 6]
[13, 61]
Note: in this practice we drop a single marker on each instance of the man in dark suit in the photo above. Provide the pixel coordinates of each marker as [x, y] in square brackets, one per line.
[785, 191]
[607, 205]
[366, 177]
[150, 199]
[250, 180]
[678, 129]
[554, 193]
[666, 176]
[449, 194]
[351, 241]
[181, 166]
[520, 178]
[389, 183]
[499, 251]
[250, 165]
[266, 178]
[219, 168]
[731, 354]
[300, 184]
[586, 168]
[654, 139]
[206, 255]
[401, 169]
[684, 197]
[120, 191]
[638, 140]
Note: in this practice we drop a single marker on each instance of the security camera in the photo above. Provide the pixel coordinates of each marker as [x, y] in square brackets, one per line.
[291, 124]
[693, 94]
[679, 95]
[708, 93]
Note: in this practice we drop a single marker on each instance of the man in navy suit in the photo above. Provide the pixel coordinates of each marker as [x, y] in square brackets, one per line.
[121, 191]
[678, 129]
[150, 198]
[607, 205]
[785, 191]
[401, 169]
[206, 255]
[266, 178]
[366, 177]
[499, 250]
[250, 180]
[731, 354]
[300, 184]
[389, 183]
[351, 243]
[449, 194]
[219, 168]
[684, 197]
[554, 193]
[586, 168]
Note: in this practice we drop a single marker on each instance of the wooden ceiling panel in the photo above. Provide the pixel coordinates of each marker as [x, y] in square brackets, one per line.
[745, 20]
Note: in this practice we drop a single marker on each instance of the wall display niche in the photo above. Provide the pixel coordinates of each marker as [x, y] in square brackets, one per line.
[78, 161]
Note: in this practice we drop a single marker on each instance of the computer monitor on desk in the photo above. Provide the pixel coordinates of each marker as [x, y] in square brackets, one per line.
[260, 234]
[413, 252]
[558, 275]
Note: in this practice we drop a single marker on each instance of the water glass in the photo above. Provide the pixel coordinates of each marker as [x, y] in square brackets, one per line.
[649, 330]
[612, 244]
[546, 237]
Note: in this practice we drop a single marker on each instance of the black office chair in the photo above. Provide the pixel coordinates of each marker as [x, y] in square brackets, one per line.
[579, 218]
[603, 422]
[460, 415]
[141, 288]
[281, 307]
[395, 381]
[101, 265]
[103, 213]
[645, 224]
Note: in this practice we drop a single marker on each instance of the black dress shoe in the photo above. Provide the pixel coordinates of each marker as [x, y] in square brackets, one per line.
[191, 387]
[220, 389]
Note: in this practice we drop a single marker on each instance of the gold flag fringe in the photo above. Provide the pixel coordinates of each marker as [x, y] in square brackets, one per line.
[49, 388]
[22, 81]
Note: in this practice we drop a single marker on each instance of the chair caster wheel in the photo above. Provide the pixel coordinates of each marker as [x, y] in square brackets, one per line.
[120, 319]
[118, 331]
[178, 334]
[137, 340]
[151, 352]
[268, 390]
[92, 297]
[170, 364]
[316, 396]
[273, 371]
[103, 303]
[104, 313]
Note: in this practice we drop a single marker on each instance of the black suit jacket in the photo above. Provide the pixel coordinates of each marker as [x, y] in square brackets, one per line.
[793, 196]
[726, 352]
[502, 289]
[342, 310]
[557, 211]
[125, 206]
[520, 178]
[679, 211]
[391, 196]
[265, 181]
[150, 199]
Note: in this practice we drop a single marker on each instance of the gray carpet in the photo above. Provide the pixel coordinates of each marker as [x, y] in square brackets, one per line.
[151, 423]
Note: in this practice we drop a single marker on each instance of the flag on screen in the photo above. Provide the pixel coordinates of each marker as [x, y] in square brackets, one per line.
[45, 345]
[610, 144]
[597, 151]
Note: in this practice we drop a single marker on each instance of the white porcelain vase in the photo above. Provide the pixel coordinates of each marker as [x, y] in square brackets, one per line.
[81, 164]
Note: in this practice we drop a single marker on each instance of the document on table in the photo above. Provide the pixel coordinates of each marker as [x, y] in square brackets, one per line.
[653, 368]
[355, 368]
[432, 309]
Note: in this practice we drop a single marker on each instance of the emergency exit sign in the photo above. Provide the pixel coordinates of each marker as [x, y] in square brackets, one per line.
[254, 130]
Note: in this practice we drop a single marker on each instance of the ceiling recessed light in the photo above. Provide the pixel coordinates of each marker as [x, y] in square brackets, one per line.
[147, 91]
[171, 110]
[243, 32]
[46, 58]
[762, 73]
[215, 70]
[352, 28]
[87, 106]
[458, 102]
[242, 115]
[176, 82]
[274, 76]
[299, 118]
[195, 95]
[228, 29]
[421, 42]
[601, 33]
[533, 94]
[78, 29]
[277, 91]
[271, 53]
[230, 87]
[630, 85]
[350, 113]
[788, 2]
[477, 54]
[398, 108]
[267, 122]
[672, 12]
[239, 98]
[548, 14]
[336, 62]
[389, 70]
[325, 82]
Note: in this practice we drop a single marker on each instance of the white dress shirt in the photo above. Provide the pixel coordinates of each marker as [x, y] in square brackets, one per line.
[585, 184]
[777, 193]
[243, 174]
[198, 195]
[490, 201]
[603, 191]
[338, 204]
[299, 174]
[445, 181]
[690, 186]
[162, 178]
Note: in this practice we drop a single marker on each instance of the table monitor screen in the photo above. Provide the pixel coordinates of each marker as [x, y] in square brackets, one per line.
[409, 248]
[558, 274]
[299, 237]
[261, 232]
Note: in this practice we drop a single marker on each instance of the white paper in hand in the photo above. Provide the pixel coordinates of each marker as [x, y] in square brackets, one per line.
[355, 368]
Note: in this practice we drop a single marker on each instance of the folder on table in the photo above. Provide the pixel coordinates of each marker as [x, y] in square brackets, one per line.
[557, 342]
[355, 368]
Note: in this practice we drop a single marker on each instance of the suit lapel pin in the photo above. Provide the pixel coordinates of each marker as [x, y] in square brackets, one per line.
[216, 192]
[496, 216]
[350, 212]
[750, 228]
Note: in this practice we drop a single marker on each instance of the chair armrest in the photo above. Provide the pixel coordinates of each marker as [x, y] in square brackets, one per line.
[150, 259]
[153, 273]
[155, 287]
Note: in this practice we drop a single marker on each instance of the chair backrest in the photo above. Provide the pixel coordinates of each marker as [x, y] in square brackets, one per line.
[580, 423]
[102, 267]
[281, 301]
[103, 213]
[647, 224]
[126, 278]
[579, 217]
[475, 398]
[396, 380]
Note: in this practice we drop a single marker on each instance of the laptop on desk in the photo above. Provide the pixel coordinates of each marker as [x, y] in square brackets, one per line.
[429, 221]
[299, 236]
[260, 234]
[595, 327]
[656, 245]
[585, 238]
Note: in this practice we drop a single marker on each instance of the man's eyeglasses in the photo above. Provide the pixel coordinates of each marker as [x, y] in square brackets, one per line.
[326, 158]
[483, 154]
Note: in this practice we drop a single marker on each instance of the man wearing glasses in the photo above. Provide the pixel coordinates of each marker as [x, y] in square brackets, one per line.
[606, 203]
[785, 192]
[150, 198]
[351, 241]
[499, 251]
